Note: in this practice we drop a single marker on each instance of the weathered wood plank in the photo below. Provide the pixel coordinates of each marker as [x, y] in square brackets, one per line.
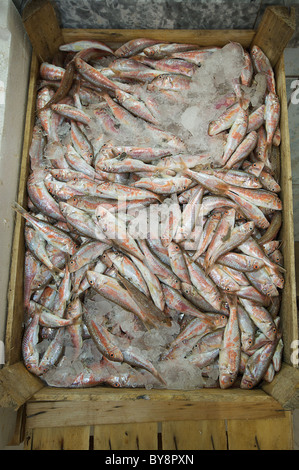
[260, 434]
[64, 438]
[204, 38]
[15, 302]
[41, 24]
[288, 310]
[276, 28]
[194, 435]
[285, 386]
[44, 414]
[19, 431]
[107, 394]
[297, 267]
[135, 436]
[17, 385]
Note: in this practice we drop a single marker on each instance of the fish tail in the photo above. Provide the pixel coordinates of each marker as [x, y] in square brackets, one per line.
[19, 209]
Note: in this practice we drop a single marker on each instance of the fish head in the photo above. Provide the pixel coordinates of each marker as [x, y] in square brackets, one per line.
[118, 381]
[247, 382]
[220, 320]
[107, 258]
[226, 380]
[100, 212]
[94, 278]
[247, 342]
[115, 355]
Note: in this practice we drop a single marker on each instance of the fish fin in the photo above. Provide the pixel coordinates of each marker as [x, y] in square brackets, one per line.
[16, 207]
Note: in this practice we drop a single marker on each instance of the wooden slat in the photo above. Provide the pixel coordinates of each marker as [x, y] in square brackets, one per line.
[276, 28]
[135, 395]
[135, 436]
[288, 311]
[194, 435]
[203, 38]
[15, 302]
[65, 438]
[42, 27]
[19, 431]
[123, 408]
[260, 434]
[17, 385]
[297, 267]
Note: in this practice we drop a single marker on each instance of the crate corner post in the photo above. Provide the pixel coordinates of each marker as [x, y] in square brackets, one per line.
[275, 30]
[17, 385]
[43, 29]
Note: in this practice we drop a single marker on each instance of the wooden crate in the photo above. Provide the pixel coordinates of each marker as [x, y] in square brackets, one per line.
[104, 418]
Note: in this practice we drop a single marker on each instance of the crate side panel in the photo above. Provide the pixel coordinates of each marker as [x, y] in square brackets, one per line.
[261, 434]
[204, 38]
[129, 436]
[194, 435]
[288, 306]
[15, 314]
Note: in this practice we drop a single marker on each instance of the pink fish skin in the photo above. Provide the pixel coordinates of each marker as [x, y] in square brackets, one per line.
[262, 64]
[272, 115]
[236, 134]
[230, 351]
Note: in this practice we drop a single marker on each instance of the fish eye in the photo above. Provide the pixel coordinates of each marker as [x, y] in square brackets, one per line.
[116, 384]
[72, 262]
[111, 354]
[255, 266]
[91, 282]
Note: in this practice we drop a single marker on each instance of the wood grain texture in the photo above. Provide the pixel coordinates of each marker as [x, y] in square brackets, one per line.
[41, 24]
[275, 30]
[135, 395]
[15, 302]
[288, 312]
[64, 438]
[17, 385]
[126, 410]
[260, 434]
[285, 387]
[129, 436]
[204, 38]
[297, 267]
[194, 435]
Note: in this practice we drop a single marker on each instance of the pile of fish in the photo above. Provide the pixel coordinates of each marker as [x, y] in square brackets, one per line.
[181, 246]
